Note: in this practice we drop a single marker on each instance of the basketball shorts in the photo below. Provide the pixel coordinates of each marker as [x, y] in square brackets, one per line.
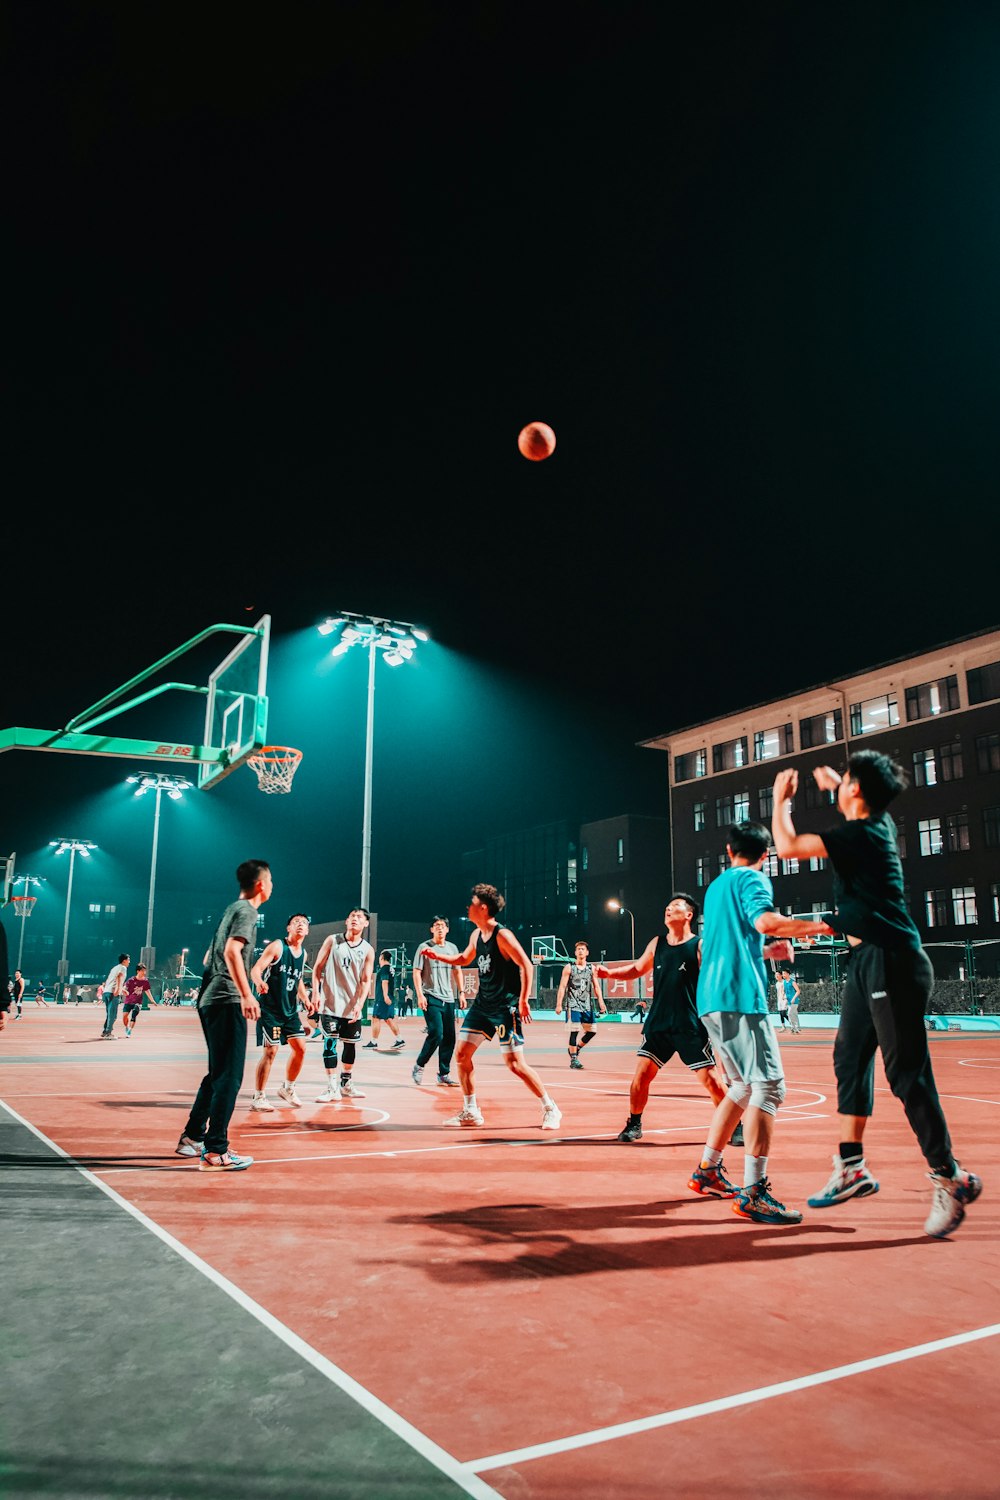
[745, 1046]
[502, 1022]
[690, 1043]
[581, 1018]
[132, 1010]
[383, 1012]
[334, 1026]
[274, 1029]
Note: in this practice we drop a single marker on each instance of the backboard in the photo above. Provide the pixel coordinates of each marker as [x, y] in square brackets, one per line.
[236, 712]
[7, 864]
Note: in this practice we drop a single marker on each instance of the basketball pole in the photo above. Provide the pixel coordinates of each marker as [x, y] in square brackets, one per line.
[366, 832]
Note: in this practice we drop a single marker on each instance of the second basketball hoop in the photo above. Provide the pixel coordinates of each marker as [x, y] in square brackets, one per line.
[275, 765]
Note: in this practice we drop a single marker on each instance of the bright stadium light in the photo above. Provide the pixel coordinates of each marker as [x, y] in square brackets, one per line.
[74, 847]
[396, 641]
[157, 782]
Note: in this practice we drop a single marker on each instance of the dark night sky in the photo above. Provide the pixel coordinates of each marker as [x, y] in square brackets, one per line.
[284, 284]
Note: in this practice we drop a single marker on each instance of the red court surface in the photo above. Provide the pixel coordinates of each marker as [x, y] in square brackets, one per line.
[558, 1312]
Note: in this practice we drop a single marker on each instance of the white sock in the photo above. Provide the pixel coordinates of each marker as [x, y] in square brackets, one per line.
[547, 1102]
[470, 1101]
[710, 1158]
[754, 1169]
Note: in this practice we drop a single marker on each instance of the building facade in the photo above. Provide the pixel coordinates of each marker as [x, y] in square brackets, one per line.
[938, 714]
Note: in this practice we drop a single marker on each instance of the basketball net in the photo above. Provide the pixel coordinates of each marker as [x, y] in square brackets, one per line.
[24, 905]
[275, 765]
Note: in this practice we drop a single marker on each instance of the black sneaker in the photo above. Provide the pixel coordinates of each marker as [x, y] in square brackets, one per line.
[632, 1131]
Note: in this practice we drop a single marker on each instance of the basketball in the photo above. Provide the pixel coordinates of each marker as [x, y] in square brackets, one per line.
[536, 441]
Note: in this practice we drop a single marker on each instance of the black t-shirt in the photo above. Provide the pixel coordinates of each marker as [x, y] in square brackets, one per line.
[385, 972]
[868, 882]
[675, 984]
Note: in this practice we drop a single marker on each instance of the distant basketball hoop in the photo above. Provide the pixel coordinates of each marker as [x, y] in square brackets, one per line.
[275, 765]
[24, 905]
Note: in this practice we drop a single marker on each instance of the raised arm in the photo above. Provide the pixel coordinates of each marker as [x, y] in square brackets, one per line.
[634, 969]
[789, 844]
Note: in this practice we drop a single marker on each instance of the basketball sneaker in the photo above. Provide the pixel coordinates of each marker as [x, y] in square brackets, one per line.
[370, 1047]
[417, 1074]
[712, 1182]
[759, 1204]
[551, 1117]
[445, 1082]
[467, 1117]
[400, 1042]
[224, 1161]
[187, 1147]
[287, 1092]
[850, 1179]
[262, 1103]
[330, 1095]
[350, 1091]
[951, 1194]
[632, 1131]
[575, 1062]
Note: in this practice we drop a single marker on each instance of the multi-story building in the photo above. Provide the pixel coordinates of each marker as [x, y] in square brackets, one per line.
[938, 714]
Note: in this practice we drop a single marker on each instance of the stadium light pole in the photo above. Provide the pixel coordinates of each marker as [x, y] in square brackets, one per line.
[75, 847]
[396, 641]
[27, 902]
[614, 905]
[158, 782]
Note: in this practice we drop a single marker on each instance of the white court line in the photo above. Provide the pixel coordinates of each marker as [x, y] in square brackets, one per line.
[418, 1441]
[727, 1403]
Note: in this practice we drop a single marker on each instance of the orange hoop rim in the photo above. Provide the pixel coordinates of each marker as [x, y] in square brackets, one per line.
[275, 752]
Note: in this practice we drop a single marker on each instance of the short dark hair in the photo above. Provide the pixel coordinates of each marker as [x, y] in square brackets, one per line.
[140, 966]
[435, 920]
[879, 778]
[384, 954]
[749, 840]
[249, 872]
[364, 911]
[582, 943]
[490, 897]
[123, 958]
[304, 915]
[691, 902]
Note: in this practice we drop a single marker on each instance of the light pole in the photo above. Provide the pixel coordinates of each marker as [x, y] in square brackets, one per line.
[27, 902]
[614, 905]
[75, 847]
[397, 641]
[158, 782]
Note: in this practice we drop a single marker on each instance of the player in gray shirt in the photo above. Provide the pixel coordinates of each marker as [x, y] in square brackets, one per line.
[439, 990]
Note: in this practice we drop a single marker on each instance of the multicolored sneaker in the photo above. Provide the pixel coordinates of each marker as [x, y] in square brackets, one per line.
[951, 1194]
[574, 1061]
[632, 1131]
[850, 1179]
[224, 1161]
[467, 1117]
[713, 1182]
[445, 1082]
[759, 1204]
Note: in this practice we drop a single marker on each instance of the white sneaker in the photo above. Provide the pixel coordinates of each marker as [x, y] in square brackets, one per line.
[951, 1194]
[330, 1095]
[417, 1074]
[187, 1147]
[287, 1092]
[350, 1092]
[552, 1118]
[467, 1117]
[262, 1102]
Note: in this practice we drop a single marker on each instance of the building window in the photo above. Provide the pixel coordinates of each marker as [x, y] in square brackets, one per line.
[929, 830]
[874, 714]
[988, 752]
[821, 729]
[936, 908]
[702, 874]
[816, 796]
[816, 863]
[699, 816]
[731, 756]
[586, 908]
[689, 767]
[584, 857]
[995, 899]
[112, 911]
[765, 802]
[924, 768]
[901, 840]
[620, 852]
[770, 743]
[723, 861]
[789, 867]
[983, 683]
[723, 812]
[963, 904]
[931, 698]
[991, 827]
[741, 807]
[770, 865]
[950, 761]
[956, 832]
[571, 877]
[94, 908]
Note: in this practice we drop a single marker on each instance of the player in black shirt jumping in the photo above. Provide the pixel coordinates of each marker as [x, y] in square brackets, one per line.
[888, 985]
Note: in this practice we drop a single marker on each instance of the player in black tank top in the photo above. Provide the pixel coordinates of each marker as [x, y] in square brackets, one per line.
[672, 1024]
[500, 1007]
[277, 977]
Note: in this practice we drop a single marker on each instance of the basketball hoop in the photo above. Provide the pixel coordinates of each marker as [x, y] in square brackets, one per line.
[275, 765]
[24, 905]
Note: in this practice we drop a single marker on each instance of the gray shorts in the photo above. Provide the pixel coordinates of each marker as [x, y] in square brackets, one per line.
[745, 1047]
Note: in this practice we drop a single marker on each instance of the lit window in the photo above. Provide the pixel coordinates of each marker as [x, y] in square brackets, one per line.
[963, 903]
[924, 768]
[770, 743]
[931, 698]
[723, 812]
[929, 830]
[816, 863]
[584, 857]
[702, 874]
[699, 816]
[950, 761]
[821, 729]
[789, 867]
[731, 756]
[956, 832]
[723, 861]
[741, 807]
[874, 714]
[765, 802]
[770, 865]
[689, 767]
[936, 908]
[995, 899]
[620, 851]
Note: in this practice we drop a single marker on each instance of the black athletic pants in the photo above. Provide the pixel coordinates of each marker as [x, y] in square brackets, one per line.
[440, 1018]
[225, 1032]
[886, 995]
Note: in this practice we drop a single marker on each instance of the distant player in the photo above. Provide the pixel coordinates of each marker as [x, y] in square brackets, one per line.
[579, 983]
[277, 978]
[384, 1008]
[499, 1009]
[137, 989]
[342, 976]
[17, 994]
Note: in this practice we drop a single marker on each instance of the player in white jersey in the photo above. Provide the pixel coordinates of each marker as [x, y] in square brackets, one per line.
[342, 976]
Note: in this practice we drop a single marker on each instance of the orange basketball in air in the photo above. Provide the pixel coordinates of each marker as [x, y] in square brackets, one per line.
[536, 441]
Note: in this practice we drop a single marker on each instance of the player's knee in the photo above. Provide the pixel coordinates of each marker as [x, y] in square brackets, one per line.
[348, 1053]
[739, 1093]
[768, 1096]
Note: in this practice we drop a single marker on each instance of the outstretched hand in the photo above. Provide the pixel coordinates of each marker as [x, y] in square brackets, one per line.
[785, 785]
[826, 778]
